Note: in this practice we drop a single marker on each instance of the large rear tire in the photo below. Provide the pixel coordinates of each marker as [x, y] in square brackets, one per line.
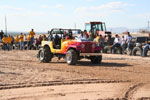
[117, 50]
[96, 59]
[45, 55]
[135, 50]
[107, 49]
[71, 57]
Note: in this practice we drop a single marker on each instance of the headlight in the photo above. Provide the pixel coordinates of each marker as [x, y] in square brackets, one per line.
[82, 45]
[93, 45]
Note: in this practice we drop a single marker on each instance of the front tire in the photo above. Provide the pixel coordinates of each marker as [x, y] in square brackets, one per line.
[45, 55]
[107, 49]
[71, 57]
[135, 50]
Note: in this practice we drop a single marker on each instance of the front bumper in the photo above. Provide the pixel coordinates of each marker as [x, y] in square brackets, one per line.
[90, 54]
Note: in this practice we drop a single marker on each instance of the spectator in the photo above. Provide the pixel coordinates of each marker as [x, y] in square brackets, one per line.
[105, 38]
[101, 41]
[123, 43]
[28, 41]
[5, 43]
[32, 34]
[36, 42]
[17, 41]
[128, 40]
[1, 34]
[116, 42]
[21, 40]
[25, 40]
[147, 46]
[84, 35]
[13, 41]
[96, 33]
[10, 40]
[40, 39]
[90, 38]
[45, 38]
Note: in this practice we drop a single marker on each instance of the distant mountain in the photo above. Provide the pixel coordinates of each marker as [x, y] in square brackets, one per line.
[117, 29]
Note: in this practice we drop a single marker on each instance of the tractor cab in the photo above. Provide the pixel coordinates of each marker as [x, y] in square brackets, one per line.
[96, 27]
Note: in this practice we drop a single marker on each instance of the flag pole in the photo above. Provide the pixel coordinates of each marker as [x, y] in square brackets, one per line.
[5, 24]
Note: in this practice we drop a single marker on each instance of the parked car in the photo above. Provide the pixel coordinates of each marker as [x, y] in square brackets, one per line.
[136, 46]
[139, 45]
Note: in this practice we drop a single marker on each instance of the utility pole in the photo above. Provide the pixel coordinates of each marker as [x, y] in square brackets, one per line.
[75, 27]
[148, 26]
[5, 24]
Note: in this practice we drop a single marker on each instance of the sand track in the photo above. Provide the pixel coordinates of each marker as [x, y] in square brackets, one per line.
[119, 77]
[53, 83]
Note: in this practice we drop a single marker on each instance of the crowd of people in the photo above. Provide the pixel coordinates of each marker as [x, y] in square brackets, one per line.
[100, 39]
[25, 41]
[22, 41]
[124, 42]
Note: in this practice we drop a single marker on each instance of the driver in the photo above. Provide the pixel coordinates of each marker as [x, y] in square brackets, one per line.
[56, 39]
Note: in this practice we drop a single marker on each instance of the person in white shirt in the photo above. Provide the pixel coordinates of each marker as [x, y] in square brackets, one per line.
[84, 35]
[117, 42]
[25, 41]
[123, 43]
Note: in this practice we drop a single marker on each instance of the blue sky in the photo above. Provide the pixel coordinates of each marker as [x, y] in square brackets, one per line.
[42, 15]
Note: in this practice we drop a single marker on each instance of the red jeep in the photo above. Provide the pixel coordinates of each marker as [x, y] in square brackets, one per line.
[72, 49]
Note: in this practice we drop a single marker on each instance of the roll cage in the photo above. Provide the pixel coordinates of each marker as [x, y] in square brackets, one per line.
[61, 32]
